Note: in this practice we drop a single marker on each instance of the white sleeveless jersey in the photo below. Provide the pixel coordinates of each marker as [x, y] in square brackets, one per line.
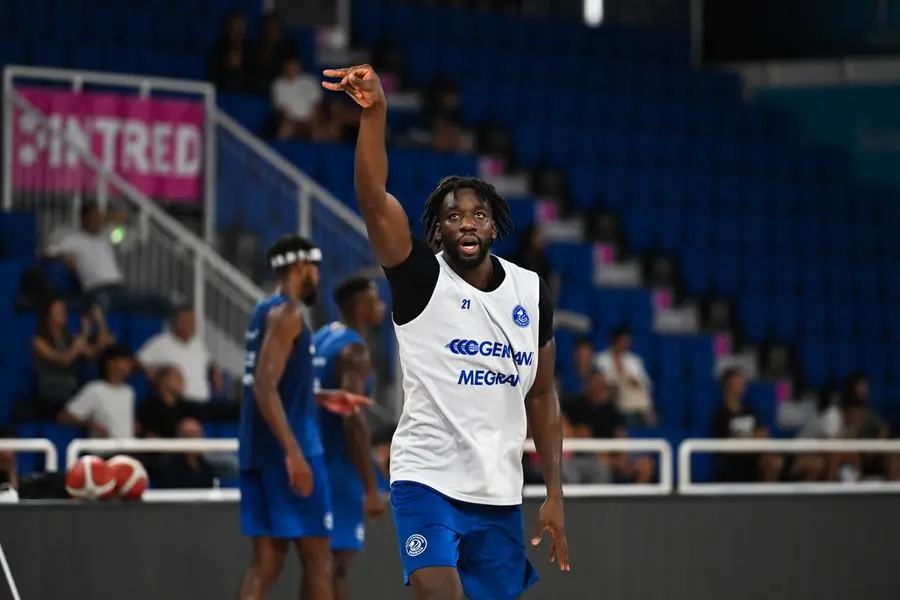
[468, 360]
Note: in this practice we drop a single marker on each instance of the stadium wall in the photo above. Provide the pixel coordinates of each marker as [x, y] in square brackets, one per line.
[791, 547]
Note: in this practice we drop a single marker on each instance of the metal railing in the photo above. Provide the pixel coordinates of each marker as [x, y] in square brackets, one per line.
[144, 86]
[241, 172]
[688, 448]
[45, 446]
[254, 178]
[660, 447]
[155, 252]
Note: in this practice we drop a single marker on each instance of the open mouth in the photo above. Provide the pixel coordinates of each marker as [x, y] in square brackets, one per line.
[469, 246]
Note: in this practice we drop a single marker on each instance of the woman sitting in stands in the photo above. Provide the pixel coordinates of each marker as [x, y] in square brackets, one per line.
[59, 355]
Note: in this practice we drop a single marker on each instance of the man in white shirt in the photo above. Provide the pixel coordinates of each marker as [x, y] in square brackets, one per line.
[626, 371]
[105, 407]
[90, 254]
[181, 346]
[296, 98]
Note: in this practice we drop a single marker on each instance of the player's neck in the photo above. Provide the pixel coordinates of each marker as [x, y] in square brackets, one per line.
[282, 290]
[354, 323]
[478, 277]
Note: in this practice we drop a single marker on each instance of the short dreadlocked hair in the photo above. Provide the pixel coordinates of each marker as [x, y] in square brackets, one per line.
[484, 190]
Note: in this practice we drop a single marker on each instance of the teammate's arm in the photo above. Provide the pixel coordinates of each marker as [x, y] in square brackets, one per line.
[385, 219]
[283, 327]
[353, 369]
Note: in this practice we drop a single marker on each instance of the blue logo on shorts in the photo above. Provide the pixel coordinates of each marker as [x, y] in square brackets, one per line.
[520, 316]
[416, 544]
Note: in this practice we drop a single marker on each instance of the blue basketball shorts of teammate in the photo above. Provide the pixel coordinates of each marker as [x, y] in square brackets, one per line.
[349, 532]
[486, 544]
[270, 508]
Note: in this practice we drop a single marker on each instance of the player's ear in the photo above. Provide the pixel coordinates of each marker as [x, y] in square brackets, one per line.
[493, 232]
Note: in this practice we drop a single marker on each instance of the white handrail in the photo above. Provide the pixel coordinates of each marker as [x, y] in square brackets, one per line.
[150, 445]
[291, 172]
[113, 79]
[690, 446]
[145, 86]
[147, 206]
[51, 462]
[659, 446]
[78, 447]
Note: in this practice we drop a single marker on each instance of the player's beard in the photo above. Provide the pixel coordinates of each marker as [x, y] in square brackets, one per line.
[310, 294]
[468, 262]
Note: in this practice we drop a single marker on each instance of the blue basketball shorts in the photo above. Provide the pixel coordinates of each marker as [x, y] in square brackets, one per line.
[486, 544]
[270, 508]
[349, 532]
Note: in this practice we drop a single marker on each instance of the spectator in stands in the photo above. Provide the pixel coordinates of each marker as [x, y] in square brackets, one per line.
[295, 97]
[573, 380]
[105, 407]
[227, 64]
[164, 411]
[736, 419]
[827, 424]
[8, 470]
[446, 103]
[190, 470]
[90, 253]
[594, 414]
[859, 422]
[165, 407]
[336, 120]
[181, 345]
[448, 136]
[532, 255]
[58, 355]
[626, 371]
[269, 52]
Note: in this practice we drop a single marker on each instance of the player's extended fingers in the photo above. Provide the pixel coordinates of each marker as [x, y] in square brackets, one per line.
[359, 400]
[538, 535]
[334, 87]
[336, 72]
[561, 545]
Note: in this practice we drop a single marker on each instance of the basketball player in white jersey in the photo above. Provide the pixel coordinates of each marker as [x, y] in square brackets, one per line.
[476, 345]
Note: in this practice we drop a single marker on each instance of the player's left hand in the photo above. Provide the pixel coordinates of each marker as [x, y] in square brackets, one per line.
[373, 505]
[552, 519]
[343, 403]
[361, 83]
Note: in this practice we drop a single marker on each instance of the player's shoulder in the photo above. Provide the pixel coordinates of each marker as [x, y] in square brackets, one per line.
[285, 315]
[518, 273]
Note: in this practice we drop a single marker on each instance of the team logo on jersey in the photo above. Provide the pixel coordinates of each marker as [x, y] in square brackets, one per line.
[328, 521]
[520, 316]
[360, 533]
[415, 545]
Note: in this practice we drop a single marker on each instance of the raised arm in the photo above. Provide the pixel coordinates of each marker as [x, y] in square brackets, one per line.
[353, 369]
[386, 221]
[283, 326]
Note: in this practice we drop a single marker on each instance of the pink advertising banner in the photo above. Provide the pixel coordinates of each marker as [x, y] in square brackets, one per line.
[154, 144]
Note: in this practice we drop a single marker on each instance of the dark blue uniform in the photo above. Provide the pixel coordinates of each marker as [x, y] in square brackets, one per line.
[269, 507]
[346, 485]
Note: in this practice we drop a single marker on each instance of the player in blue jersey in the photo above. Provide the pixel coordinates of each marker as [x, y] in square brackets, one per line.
[343, 362]
[284, 485]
